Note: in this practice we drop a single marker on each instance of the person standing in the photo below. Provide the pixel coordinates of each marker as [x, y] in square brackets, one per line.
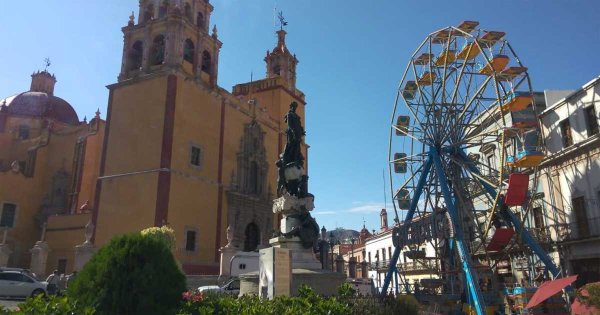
[71, 278]
[52, 281]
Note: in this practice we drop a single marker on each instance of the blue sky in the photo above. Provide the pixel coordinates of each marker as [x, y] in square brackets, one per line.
[352, 54]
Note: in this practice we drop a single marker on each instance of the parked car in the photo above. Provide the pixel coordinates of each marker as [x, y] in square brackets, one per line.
[230, 287]
[15, 283]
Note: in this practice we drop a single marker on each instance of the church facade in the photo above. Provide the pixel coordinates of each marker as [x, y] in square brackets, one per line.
[176, 149]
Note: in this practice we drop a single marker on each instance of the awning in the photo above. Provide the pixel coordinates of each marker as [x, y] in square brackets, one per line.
[548, 289]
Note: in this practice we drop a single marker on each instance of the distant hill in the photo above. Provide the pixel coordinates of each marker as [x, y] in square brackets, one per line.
[343, 235]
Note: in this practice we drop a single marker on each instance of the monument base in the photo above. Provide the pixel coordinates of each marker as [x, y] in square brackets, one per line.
[306, 270]
[302, 258]
[83, 254]
[323, 282]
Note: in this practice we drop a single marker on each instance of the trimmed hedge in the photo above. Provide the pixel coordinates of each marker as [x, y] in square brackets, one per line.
[133, 274]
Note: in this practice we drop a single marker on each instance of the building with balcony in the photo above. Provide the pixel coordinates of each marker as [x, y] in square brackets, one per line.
[417, 259]
[570, 176]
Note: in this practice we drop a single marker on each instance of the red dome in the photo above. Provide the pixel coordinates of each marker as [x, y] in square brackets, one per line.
[39, 104]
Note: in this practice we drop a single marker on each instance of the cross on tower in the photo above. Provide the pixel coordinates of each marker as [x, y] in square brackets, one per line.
[282, 21]
[47, 63]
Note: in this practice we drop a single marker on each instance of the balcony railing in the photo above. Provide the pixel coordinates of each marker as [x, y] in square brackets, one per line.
[413, 266]
[575, 231]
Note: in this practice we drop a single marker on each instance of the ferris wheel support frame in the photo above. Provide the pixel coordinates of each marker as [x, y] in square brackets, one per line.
[404, 227]
[512, 217]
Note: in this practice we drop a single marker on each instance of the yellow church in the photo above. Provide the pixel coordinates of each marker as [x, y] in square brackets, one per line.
[176, 149]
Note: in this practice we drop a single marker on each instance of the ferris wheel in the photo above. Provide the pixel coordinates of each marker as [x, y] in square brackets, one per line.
[464, 149]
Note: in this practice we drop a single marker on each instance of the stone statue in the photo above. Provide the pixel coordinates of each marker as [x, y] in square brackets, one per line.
[229, 236]
[89, 232]
[292, 154]
[291, 161]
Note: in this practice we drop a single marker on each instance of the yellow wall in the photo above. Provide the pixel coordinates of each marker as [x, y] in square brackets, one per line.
[128, 196]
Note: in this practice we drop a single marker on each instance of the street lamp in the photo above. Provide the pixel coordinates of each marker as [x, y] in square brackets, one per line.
[331, 243]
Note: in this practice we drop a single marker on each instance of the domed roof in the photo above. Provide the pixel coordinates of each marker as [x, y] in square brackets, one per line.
[40, 104]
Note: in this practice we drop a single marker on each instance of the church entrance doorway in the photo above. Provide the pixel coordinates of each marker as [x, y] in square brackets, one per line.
[252, 237]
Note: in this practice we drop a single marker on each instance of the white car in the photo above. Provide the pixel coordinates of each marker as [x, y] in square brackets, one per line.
[20, 284]
[230, 287]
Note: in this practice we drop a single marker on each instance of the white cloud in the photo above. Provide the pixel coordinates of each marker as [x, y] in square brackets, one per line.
[366, 207]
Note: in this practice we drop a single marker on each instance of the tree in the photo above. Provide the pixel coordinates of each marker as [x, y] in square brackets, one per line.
[132, 274]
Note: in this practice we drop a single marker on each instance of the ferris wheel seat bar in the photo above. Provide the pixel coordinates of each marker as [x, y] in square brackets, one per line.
[497, 64]
[427, 78]
[500, 239]
[528, 158]
[445, 57]
[517, 101]
[516, 193]
[511, 73]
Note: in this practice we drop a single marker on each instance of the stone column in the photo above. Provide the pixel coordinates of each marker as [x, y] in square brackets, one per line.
[85, 251]
[83, 254]
[352, 267]
[227, 253]
[364, 269]
[339, 264]
[5, 250]
[39, 256]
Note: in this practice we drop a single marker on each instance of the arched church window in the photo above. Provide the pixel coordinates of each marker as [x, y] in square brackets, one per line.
[253, 177]
[158, 50]
[188, 51]
[252, 238]
[200, 20]
[187, 9]
[148, 13]
[163, 9]
[206, 62]
[135, 55]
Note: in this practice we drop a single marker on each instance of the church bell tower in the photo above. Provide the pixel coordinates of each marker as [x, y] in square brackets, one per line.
[171, 35]
[282, 63]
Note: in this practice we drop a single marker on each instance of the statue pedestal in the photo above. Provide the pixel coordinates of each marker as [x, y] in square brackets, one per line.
[5, 252]
[298, 231]
[301, 257]
[83, 253]
[39, 256]
[291, 207]
[226, 254]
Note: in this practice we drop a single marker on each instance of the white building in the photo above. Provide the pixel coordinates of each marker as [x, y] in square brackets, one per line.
[379, 249]
[570, 176]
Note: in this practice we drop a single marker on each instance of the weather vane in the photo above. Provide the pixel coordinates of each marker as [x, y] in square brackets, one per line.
[282, 21]
[48, 63]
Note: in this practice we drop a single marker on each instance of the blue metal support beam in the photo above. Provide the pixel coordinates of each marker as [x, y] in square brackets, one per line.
[525, 235]
[404, 227]
[463, 253]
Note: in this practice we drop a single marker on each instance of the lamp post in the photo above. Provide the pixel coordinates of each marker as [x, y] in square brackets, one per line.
[331, 243]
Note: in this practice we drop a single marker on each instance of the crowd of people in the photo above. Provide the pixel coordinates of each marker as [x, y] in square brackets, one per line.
[58, 283]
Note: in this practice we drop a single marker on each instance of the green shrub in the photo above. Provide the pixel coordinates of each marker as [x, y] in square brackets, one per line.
[132, 274]
[53, 305]
[592, 298]
[163, 233]
[308, 302]
[345, 290]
